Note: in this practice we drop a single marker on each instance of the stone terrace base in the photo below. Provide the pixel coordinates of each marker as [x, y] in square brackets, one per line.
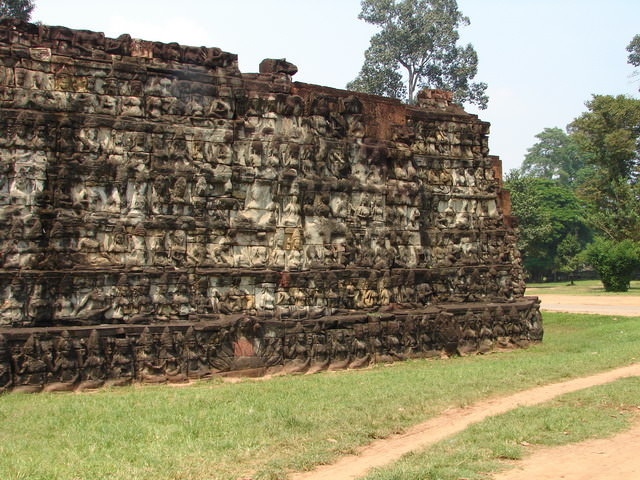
[165, 216]
[61, 359]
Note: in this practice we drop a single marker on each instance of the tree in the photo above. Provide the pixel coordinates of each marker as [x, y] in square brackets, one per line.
[379, 75]
[609, 136]
[419, 37]
[568, 255]
[555, 156]
[615, 262]
[634, 51]
[549, 213]
[20, 9]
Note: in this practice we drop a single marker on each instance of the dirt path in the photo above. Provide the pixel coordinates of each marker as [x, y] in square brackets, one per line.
[384, 451]
[624, 306]
[609, 458]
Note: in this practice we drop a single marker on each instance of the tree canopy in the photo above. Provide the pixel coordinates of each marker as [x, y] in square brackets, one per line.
[581, 184]
[609, 135]
[554, 156]
[16, 8]
[634, 51]
[420, 38]
[549, 213]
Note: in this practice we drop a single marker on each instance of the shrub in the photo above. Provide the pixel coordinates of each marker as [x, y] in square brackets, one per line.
[615, 262]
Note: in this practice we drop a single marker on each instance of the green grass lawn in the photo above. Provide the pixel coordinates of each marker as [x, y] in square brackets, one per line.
[261, 429]
[581, 287]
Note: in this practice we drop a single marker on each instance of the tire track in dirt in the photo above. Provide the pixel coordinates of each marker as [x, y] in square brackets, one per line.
[384, 451]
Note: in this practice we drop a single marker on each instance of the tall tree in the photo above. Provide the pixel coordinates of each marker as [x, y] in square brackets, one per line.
[420, 38]
[555, 156]
[609, 135]
[634, 51]
[549, 213]
[16, 8]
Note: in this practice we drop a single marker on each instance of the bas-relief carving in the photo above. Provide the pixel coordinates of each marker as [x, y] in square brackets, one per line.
[148, 197]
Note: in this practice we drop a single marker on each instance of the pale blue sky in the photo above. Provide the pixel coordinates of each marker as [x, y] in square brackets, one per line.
[542, 59]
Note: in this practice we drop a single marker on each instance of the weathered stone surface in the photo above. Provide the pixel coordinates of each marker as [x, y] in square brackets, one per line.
[164, 216]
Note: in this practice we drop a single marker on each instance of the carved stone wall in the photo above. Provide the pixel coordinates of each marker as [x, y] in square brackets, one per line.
[164, 216]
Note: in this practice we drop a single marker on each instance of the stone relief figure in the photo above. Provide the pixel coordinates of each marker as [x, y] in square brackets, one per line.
[12, 309]
[360, 348]
[296, 355]
[63, 372]
[291, 213]
[271, 352]
[469, 336]
[120, 366]
[220, 252]
[265, 298]
[93, 369]
[29, 368]
[6, 380]
[339, 349]
[486, 335]
[409, 338]
[214, 297]
[148, 365]
[170, 360]
[319, 353]
[391, 339]
[220, 351]
[194, 356]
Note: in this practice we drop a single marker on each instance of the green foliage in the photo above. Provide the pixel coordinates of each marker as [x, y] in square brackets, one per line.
[419, 37]
[568, 251]
[608, 133]
[614, 261]
[555, 156]
[379, 75]
[612, 209]
[549, 214]
[609, 136]
[634, 51]
[20, 9]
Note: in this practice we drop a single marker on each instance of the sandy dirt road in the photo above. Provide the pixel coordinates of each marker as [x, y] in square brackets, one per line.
[624, 306]
[615, 458]
[385, 451]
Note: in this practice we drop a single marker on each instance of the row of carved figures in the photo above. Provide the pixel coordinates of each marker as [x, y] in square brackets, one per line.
[107, 300]
[85, 359]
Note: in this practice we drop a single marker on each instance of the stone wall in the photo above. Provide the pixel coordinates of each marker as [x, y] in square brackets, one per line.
[164, 216]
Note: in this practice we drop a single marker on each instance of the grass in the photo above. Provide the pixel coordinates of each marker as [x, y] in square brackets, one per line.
[483, 448]
[261, 429]
[581, 287]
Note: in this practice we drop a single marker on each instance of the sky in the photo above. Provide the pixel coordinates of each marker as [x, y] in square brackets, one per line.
[542, 59]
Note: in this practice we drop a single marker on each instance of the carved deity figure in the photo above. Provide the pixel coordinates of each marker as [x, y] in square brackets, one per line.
[296, 356]
[30, 371]
[359, 348]
[170, 361]
[148, 365]
[63, 366]
[120, 365]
